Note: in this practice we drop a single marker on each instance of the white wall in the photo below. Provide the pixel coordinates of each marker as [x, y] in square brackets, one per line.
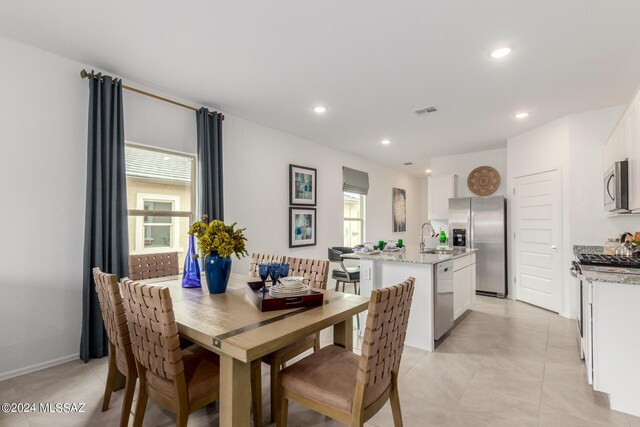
[43, 131]
[256, 195]
[463, 164]
[575, 144]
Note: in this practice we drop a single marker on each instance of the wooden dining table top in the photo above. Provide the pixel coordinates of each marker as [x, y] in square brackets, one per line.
[231, 324]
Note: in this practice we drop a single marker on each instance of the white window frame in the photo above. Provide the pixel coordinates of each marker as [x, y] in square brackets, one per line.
[362, 214]
[139, 213]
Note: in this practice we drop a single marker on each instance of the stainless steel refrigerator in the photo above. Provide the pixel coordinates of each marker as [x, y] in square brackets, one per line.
[481, 223]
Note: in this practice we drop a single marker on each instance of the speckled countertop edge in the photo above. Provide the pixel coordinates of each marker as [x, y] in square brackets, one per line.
[620, 278]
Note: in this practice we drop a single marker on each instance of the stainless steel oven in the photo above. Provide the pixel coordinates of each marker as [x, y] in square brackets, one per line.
[616, 188]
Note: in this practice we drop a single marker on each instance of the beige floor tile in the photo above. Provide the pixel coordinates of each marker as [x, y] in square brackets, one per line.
[515, 384]
[580, 401]
[565, 373]
[493, 409]
[533, 366]
[633, 421]
[550, 417]
[439, 379]
[563, 355]
[13, 420]
[415, 412]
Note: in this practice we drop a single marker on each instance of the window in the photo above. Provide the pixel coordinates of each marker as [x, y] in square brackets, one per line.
[161, 199]
[353, 219]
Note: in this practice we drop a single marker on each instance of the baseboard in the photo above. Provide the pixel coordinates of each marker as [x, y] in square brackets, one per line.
[38, 366]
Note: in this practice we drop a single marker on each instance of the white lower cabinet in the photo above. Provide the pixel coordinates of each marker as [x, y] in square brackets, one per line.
[464, 285]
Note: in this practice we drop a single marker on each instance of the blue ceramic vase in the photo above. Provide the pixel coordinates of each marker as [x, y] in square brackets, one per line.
[191, 270]
[217, 271]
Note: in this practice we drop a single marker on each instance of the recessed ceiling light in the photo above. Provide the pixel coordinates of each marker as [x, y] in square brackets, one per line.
[521, 115]
[385, 142]
[320, 109]
[428, 171]
[501, 53]
[166, 158]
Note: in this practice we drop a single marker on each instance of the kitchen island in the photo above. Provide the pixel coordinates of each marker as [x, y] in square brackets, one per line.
[457, 293]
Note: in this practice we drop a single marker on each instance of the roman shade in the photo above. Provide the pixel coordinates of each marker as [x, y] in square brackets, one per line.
[355, 181]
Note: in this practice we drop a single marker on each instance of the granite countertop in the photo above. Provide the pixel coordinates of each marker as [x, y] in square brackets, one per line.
[622, 275]
[410, 255]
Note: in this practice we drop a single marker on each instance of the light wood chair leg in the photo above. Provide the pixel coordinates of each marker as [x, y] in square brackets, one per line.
[394, 399]
[127, 400]
[256, 392]
[275, 371]
[316, 342]
[141, 404]
[284, 412]
[111, 379]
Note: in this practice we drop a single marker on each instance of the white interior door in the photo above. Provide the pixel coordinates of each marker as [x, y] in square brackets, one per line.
[538, 238]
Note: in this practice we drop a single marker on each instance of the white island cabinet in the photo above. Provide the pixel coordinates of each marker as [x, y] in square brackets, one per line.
[612, 321]
[464, 284]
[390, 268]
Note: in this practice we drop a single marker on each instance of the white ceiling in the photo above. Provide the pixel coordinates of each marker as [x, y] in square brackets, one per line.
[371, 62]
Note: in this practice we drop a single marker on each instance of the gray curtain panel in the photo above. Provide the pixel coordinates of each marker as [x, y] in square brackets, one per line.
[106, 242]
[210, 197]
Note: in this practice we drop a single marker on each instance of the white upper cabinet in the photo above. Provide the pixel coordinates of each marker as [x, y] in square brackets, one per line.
[633, 148]
[440, 190]
[624, 143]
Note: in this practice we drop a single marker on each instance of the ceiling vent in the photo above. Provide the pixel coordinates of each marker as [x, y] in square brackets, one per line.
[408, 163]
[427, 110]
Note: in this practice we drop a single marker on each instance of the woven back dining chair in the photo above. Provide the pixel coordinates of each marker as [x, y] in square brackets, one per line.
[257, 259]
[151, 266]
[122, 365]
[181, 381]
[348, 387]
[315, 273]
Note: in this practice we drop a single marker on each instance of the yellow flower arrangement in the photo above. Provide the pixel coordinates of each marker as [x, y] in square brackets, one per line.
[216, 236]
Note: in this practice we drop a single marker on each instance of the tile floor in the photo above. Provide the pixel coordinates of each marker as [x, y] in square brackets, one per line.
[507, 363]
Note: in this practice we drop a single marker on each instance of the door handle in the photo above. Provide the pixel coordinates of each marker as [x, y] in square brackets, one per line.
[554, 247]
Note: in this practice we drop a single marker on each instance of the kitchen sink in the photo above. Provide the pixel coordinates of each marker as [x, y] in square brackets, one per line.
[434, 251]
[439, 251]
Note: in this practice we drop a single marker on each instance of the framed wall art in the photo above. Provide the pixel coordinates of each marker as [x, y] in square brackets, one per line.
[302, 227]
[303, 185]
[399, 208]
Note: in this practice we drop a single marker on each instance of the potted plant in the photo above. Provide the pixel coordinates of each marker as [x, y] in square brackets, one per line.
[217, 241]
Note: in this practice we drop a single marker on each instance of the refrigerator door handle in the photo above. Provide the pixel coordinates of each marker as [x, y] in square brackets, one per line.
[471, 242]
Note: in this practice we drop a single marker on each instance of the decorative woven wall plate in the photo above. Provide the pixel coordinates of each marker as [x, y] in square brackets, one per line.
[483, 180]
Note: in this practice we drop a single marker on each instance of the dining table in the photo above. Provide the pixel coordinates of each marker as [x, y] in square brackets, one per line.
[231, 325]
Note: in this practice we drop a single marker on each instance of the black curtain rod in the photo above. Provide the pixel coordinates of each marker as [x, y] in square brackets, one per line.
[84, 74]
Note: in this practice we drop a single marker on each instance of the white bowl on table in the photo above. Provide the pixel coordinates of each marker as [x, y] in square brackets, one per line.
[291, 281]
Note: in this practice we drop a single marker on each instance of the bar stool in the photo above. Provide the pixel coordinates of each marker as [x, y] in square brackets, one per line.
[345, 274]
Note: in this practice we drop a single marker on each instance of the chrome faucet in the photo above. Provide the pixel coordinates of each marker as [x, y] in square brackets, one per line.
[422, 245]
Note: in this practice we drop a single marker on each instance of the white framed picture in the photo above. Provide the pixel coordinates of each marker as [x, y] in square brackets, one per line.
[302, 227]
[302, 185]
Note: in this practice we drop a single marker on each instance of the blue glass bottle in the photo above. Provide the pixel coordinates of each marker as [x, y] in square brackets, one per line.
[191, 271]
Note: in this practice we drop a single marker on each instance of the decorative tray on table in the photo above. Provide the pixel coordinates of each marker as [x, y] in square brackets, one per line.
[283, 299]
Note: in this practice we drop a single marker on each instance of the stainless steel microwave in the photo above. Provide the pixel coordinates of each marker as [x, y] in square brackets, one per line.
[616, 188]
